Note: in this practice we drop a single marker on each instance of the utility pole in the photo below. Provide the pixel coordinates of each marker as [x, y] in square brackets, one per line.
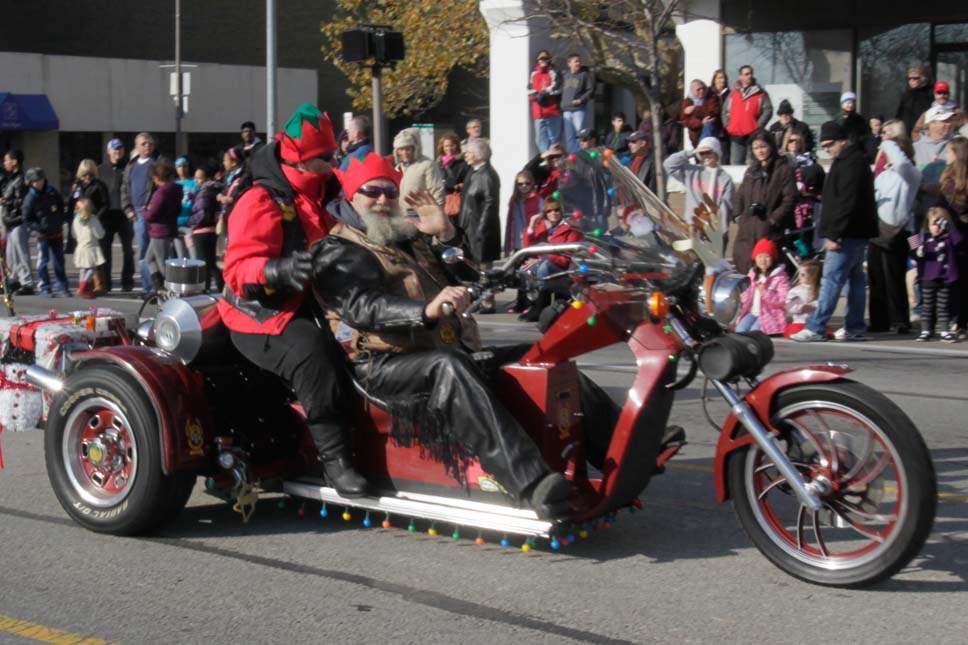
[179, 143]
[379, 120]
[270, 68]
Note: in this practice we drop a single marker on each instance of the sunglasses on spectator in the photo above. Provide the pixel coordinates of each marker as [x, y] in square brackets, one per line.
[942, 93]
[544, 60]
[552, 210]
[915, 78]
[525, 184]
[374, 192]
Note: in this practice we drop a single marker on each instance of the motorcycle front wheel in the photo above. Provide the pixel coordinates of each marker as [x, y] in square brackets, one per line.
[879, 487]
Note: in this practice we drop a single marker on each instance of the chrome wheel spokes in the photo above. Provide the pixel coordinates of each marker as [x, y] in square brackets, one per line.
[864, 494]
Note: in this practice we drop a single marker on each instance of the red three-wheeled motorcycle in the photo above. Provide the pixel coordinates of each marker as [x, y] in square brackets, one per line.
[831, 480]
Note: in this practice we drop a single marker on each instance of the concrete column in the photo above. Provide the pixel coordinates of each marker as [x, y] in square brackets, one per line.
[510, 116]
[701, 39]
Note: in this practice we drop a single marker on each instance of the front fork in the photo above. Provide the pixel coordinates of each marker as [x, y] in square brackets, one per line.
[807, 492]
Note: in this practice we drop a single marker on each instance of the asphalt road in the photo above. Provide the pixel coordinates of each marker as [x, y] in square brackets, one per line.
[680, 570]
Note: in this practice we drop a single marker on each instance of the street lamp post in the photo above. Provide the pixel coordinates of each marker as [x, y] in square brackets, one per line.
[270, 68]
[179, 144]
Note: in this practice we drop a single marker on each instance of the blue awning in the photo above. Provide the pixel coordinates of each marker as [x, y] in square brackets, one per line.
[27, 112]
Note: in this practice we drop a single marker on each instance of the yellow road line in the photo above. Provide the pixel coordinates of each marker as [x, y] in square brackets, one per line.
[44, 634]
[704, 468]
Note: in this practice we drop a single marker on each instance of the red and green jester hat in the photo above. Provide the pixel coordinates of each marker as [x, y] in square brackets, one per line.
[281, 213]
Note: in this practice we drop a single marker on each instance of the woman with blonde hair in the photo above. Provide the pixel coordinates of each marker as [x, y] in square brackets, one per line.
[953, 187]
[896, 182]
[86, 184]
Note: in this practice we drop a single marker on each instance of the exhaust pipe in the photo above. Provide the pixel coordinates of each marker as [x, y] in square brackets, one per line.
[44, 379]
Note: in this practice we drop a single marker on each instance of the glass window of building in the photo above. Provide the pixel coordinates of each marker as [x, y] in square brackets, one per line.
[885, 55]
[808, 68]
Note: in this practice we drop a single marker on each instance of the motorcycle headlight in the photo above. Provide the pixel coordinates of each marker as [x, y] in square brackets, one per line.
[727, 293]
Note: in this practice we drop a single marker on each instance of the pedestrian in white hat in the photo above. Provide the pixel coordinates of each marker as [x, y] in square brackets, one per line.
[703, 177]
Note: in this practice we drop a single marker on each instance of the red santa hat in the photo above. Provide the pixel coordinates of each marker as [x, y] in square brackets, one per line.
[308, 134]
[359, 172]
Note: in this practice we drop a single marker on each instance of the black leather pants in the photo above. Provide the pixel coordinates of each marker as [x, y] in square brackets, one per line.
[446, 398]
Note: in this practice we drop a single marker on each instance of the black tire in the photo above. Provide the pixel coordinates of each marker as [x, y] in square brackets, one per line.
[149, 498]
[906, 534]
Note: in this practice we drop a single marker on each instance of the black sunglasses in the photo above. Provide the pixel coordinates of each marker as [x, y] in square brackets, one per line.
[374, 192]
[552, 210]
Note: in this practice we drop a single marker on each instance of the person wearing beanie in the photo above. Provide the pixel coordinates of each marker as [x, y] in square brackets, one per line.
[763, 304]
[43, 213]
[384, 288]
[855, 125]
[785, 124]
[848, 220]
[419, 172]
[704, 178]
[266, 270]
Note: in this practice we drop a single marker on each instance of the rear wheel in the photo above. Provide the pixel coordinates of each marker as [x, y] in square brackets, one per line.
[879, 487]
[103, 455]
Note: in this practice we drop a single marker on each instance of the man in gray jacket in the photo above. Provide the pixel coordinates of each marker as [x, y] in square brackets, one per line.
[577, 89]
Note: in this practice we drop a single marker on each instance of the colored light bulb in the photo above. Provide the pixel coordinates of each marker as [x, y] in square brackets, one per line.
[556, 195]
[555, 544]
[386, 524]
[577, 304]
[591, 321]
[583, 268]
[455, 535]
[346, 516]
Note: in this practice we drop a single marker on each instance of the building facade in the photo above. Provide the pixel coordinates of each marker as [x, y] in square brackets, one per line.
[808, 53]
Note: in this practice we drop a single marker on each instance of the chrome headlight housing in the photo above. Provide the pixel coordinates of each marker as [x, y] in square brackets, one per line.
[179, 330]
[727, 293]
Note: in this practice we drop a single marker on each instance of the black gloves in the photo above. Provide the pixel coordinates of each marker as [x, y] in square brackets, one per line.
[291, 273]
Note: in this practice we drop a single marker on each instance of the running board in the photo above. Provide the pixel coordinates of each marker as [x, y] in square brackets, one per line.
[446, 510]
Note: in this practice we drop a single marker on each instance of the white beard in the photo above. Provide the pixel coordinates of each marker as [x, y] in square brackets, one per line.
[388, 225]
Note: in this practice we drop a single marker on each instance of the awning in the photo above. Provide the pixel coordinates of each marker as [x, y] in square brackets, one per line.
[27, 112]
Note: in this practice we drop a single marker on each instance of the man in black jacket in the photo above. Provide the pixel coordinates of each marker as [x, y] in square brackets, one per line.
[397, 309]
[917, 99]
[847, 222]
[12, 194]
[115, 222]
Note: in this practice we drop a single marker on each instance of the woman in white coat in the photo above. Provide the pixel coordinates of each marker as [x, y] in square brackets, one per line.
[896, 181]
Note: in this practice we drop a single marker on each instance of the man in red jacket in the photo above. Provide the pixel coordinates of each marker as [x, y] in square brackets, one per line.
[746, 109]
[544, 93]
[268, 265]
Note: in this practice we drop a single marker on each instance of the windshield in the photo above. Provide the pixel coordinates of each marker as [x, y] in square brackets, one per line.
[604, 198]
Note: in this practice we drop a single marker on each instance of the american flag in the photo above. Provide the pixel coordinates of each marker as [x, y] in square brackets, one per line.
[914, 241]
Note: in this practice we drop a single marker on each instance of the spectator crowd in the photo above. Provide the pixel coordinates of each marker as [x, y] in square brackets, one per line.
[886, 221]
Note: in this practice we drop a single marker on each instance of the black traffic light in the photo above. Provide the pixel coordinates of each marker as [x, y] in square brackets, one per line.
[372, 42]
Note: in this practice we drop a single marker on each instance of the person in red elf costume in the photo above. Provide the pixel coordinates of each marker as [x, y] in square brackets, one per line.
[267, 267]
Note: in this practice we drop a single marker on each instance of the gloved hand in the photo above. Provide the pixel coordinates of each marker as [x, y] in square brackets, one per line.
[291, 273]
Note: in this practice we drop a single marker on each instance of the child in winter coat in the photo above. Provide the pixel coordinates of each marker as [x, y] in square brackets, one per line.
[762, 307]
[203, 220]
[938, 267]
[801, 300]
[88, 255]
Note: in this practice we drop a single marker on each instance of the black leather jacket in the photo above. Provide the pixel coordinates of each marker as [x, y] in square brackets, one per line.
[14, 191]
[348, 278]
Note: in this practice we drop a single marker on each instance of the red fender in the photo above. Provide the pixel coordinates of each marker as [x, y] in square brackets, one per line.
[177, 395]
[761, 399]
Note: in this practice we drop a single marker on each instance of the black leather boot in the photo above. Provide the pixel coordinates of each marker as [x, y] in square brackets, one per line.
[337, 463]
[549, 497]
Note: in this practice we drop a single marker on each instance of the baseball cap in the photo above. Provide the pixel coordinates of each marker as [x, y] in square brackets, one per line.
[115, 144]
[638, 135]
[585, 134]
[181, 161]
[942, 86]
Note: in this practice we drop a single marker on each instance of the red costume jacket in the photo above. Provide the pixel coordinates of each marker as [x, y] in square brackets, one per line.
[562, 234]
[262, 227]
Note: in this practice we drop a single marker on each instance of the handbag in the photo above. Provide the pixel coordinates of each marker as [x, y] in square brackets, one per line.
[452, 204]
[886, 235]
